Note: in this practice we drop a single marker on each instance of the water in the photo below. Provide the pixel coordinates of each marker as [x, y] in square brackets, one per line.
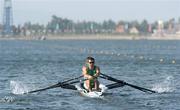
[29, 65]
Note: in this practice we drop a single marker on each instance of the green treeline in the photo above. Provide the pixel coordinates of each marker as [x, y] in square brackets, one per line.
[58, 26]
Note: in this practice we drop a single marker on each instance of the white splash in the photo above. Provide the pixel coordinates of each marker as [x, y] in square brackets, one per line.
[18, 87]
[166, 86]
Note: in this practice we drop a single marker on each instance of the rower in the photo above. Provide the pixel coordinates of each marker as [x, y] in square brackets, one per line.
[91, 72]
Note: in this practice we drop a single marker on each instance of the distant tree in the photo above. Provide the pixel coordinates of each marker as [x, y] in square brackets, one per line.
[66, 25]
[154, 25]
[14, 29]
[109, 26]
[96, 27]
[27, 25]
[112, 24]
[79, 27]
[35, 27]
[58, 25]
[121, 23]
[143, 27]
[133, 24]
[166, 24]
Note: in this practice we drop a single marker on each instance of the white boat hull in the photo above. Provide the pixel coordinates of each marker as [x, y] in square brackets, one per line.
[93, 94]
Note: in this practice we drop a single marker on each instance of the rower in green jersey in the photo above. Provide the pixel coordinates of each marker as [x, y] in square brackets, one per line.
[91, 72]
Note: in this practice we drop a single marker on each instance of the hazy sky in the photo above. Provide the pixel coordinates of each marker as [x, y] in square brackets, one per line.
[93, 10]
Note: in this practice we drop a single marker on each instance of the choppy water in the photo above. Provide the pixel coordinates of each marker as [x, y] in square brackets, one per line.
[29, 65]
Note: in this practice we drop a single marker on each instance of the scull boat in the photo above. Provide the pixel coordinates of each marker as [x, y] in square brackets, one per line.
[93, 94]
[80, 86]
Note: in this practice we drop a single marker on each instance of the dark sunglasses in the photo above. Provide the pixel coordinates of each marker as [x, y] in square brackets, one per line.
[91, 62]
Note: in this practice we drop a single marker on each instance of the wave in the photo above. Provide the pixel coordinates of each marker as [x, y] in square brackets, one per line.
[165, 86]
[18, 87]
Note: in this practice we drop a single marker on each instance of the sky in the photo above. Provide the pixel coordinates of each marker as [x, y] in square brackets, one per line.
[41, 11]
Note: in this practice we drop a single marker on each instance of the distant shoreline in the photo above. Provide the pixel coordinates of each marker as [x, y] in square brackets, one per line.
[96, 37]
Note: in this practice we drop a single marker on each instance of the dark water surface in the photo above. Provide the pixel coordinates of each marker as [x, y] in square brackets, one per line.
[29, 65]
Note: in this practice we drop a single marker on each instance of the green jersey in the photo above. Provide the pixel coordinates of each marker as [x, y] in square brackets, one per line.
[91, 72]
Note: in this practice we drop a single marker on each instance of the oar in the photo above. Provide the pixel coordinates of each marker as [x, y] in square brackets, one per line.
[125, 83]
[59, 84]
[71, 79]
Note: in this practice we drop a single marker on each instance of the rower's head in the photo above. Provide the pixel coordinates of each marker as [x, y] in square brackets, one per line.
[90, 60]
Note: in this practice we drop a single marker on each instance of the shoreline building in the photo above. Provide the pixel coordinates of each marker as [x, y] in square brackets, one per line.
[7, 18]
[160, 28]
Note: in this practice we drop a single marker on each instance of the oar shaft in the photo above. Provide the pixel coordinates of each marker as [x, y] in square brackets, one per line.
[72, 79]
[140, 88]
[57, 85]
[50, 87]
[125, 83]
[114, 85]
[111, 78]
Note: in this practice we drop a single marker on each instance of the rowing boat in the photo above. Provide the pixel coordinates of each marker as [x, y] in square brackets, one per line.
[80, 86]
[93, 94]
